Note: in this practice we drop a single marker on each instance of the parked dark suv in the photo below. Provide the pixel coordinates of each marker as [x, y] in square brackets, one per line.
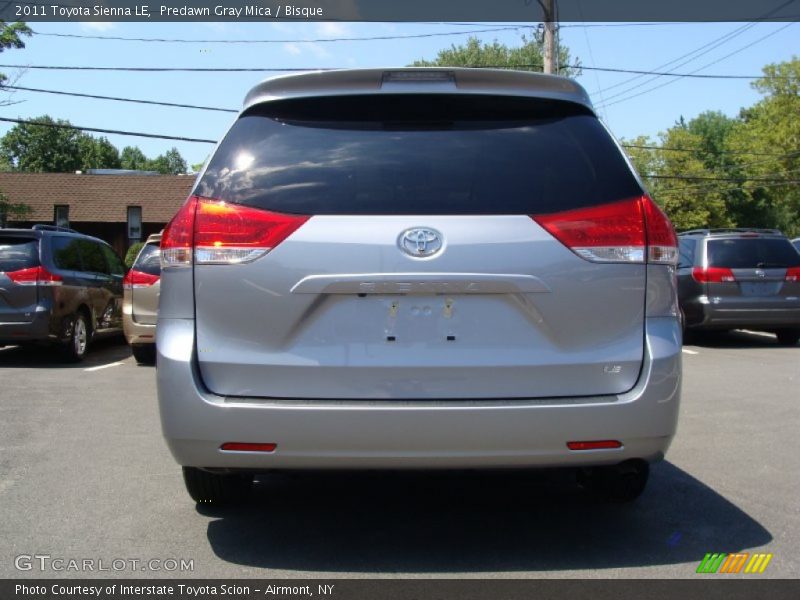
[58, 286]
[740, 279]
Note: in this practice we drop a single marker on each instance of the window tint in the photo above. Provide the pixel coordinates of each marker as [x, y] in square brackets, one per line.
[149, 260]
[18, 253]
[752, 253]
[418, 155]
[66, 253]
[92, 257]
[114, 263]
[687, 247]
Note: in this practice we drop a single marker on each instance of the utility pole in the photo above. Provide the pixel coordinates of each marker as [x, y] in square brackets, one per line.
[549, 36]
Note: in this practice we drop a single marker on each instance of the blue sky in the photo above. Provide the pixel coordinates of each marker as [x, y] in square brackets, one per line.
[735, 50]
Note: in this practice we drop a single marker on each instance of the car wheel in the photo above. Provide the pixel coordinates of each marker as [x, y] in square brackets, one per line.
[618, 483]
[145, 354]
[788, 337]
[216, 489]
[79, 336]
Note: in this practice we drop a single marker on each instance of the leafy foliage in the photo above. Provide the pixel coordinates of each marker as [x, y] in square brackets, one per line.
[39, 147]
[12, 211]
[474, 53]
[737, 171]
[132, 253]
[10, 38]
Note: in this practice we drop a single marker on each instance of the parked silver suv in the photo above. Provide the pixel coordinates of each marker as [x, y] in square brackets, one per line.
[437, 268]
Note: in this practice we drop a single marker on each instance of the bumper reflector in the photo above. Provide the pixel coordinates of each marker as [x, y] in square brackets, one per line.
[247, 447]
[599, 445]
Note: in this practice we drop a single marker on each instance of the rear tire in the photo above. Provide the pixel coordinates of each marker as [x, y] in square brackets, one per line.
[216, 489]
[79, 336]
[145, 354]
[620, 483]
[788, 337]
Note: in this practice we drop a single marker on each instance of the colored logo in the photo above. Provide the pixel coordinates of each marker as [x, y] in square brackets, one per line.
[738, 562]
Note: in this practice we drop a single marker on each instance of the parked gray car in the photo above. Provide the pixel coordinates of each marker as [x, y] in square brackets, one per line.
[418, 268]
[58, 287]
[742, 278]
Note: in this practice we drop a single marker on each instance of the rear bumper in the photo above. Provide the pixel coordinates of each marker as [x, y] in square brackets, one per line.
[137, 333]
[38, 329]
[731, 315]
[416, 434]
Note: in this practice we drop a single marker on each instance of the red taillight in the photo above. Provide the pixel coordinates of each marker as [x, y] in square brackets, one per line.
[138, 279]
[34, 276]
[178, 237]
[662, 243]
[248, 447]
[598, 445]
[713, 275]
[217, 232]
[615, 232]
[793, 274]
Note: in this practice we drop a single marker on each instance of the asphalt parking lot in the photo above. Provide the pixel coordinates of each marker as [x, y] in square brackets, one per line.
[84, 474]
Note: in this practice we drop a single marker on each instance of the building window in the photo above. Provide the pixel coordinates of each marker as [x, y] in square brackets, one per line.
[134, 223]
[61, 215]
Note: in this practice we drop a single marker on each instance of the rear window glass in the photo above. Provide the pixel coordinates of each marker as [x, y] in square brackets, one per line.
[18, 253]
[418, 155]
[752, 253]
[149, 260]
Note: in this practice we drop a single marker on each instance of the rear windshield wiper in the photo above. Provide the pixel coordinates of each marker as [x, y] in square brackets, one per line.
[768, 265]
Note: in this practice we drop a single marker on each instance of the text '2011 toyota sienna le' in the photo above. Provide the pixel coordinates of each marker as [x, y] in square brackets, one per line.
[444, 268]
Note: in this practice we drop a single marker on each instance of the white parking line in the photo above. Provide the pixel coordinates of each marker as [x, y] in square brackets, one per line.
[687, 351]
[116, 364]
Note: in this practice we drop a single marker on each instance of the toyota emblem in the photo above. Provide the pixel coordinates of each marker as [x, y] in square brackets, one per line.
[420, 242]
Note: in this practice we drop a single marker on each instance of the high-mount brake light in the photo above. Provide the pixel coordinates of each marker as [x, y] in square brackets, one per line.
[214, 232]
[632, 231]
[34, 276]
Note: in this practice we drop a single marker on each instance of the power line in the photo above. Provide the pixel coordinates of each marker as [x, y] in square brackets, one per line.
[118, 99]
[697, 52]
[698, 149]
[109, 131]
[694, 73]
[321, 40]
[307, 69]
[702, 178]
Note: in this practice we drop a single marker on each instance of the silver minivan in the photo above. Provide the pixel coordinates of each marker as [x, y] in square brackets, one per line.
[418, 269]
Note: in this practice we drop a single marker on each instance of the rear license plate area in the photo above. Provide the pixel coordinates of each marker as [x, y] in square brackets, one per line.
[760, 288]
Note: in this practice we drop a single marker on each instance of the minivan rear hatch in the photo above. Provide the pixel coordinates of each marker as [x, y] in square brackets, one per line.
[418, 249]
[19, 257]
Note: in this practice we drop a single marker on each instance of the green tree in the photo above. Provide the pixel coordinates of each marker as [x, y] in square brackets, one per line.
[770, 132]
[169, 163]
[98, 153]
[133, 158]
[38, 147]
[12, 211]
[474, 53]
[10, 38]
